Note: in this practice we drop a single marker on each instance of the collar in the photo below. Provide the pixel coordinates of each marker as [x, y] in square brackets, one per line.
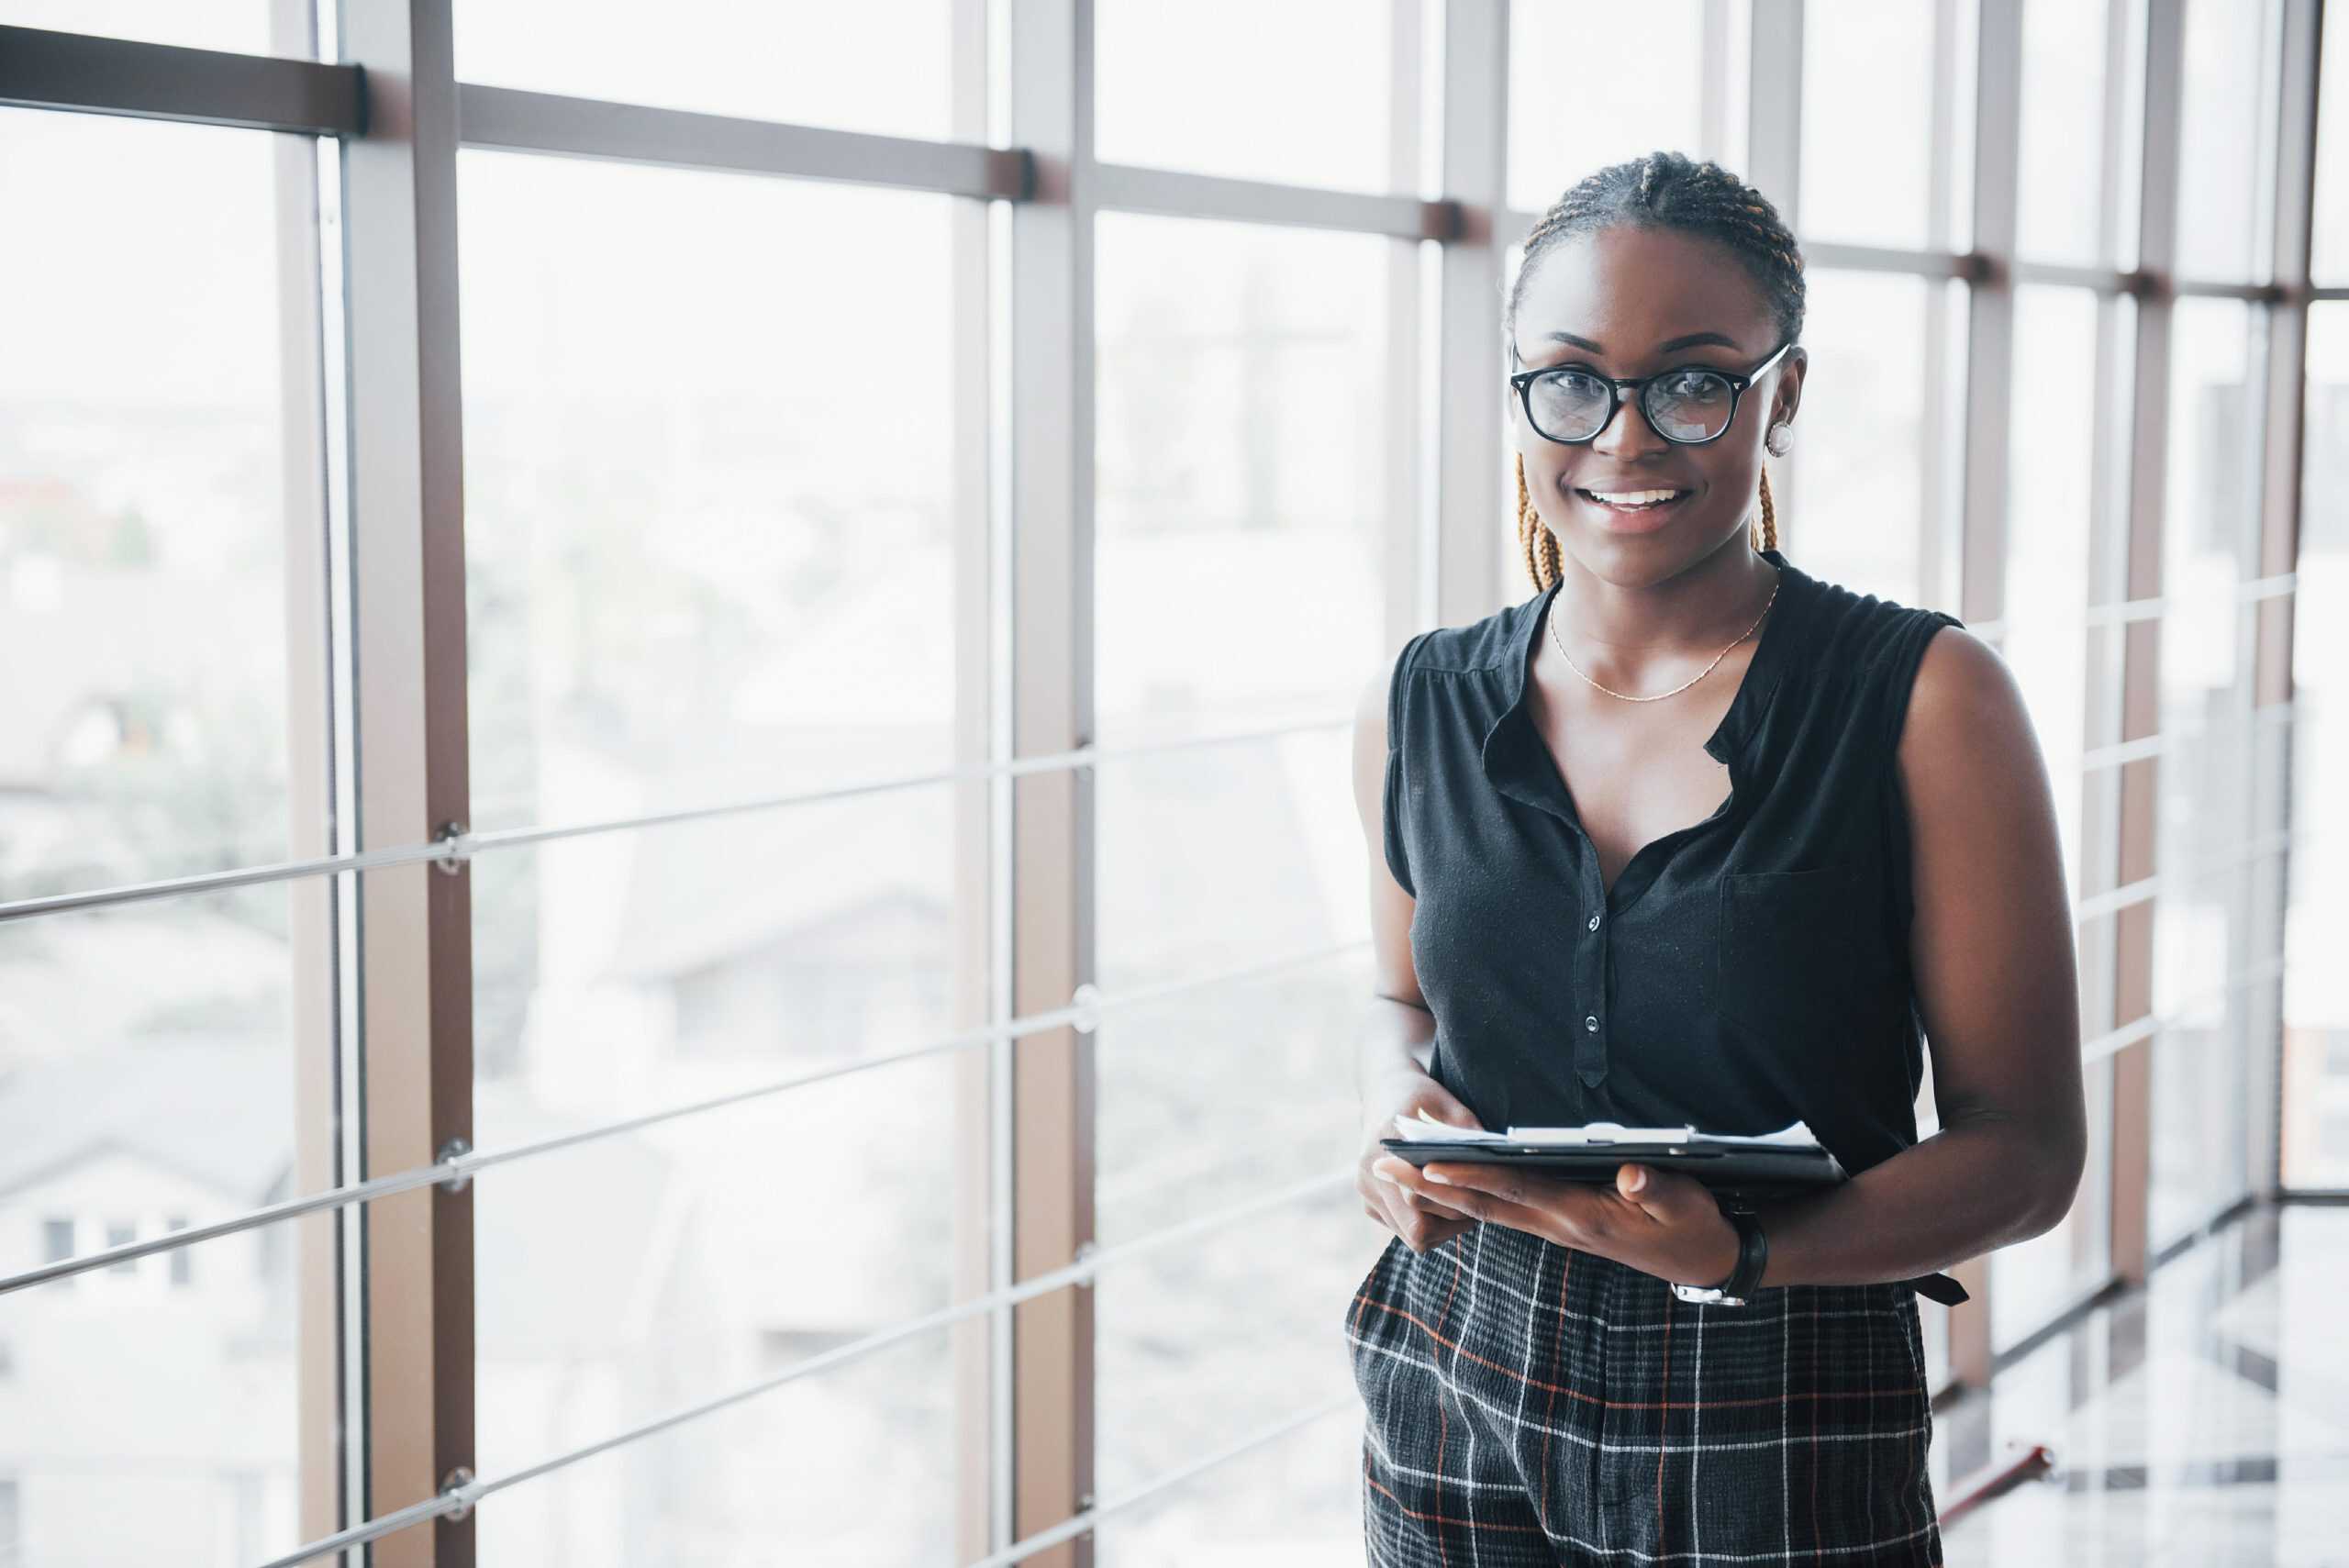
[1520, 766]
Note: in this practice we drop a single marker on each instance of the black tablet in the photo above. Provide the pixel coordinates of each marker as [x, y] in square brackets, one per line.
[1735, 1173]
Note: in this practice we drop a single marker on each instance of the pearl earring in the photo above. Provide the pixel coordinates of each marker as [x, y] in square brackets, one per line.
[1780, 437]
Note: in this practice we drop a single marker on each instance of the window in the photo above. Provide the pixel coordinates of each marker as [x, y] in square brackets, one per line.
[879, 66]
[1868, 137]
[762, 497]
[1306, 102]
[1574, 107]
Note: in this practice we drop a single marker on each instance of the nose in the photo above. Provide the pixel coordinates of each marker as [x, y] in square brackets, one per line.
[1629, 430]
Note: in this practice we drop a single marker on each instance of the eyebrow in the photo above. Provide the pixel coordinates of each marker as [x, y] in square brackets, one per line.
[1667, 346]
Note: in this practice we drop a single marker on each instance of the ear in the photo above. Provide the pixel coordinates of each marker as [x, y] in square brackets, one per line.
[1787, 396]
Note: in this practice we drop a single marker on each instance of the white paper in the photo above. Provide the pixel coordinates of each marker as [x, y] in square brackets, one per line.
[1425, 1128]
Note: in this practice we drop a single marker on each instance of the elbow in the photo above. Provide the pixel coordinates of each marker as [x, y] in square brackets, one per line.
[2059, 1161]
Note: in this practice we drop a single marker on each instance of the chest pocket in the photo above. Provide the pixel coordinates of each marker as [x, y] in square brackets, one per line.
[1800, 959]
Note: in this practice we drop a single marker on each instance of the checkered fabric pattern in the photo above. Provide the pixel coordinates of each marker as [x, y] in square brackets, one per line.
[1533, 1404]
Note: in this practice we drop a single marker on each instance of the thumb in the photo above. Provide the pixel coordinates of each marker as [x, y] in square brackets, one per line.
[1664, 1194]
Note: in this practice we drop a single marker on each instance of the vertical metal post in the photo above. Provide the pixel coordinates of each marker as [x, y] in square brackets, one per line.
[1773, 148]
[1053, 867]
[973, 281]
[408, 589]
[319, 1341]
[1982, 522]
[2274, 744]
[1471, 352]
[1407, 453]
[2141, 674]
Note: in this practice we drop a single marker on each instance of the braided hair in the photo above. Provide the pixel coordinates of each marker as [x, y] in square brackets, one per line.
[1665, 190]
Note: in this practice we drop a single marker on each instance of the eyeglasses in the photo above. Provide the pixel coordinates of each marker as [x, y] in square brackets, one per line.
[1689, 405]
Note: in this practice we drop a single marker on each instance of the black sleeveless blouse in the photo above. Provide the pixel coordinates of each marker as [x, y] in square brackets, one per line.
[1744, 972]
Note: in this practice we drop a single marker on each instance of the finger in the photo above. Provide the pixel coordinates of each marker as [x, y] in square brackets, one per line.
[1410, 1196]
[1497, 1181]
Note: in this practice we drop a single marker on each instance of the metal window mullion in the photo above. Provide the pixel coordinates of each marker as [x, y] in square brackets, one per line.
[1979, 545]
[979, 1348]
[40, 69]
[1119, 187]
[1469, 352]
[2139, 815]
[1409, 358]
[1774, 158]
[2274, 617]
[408, 585]
[1053, 865]
[325, 1327]
[513, 120]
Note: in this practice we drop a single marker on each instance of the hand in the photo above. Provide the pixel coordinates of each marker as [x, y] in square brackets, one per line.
[1656, 1221]
[1419, 1221]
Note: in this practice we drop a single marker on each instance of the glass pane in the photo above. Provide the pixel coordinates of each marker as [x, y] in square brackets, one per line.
[708, 480]
[2316, 987]
[2052, 458]
[1566, 119]
[2063, 97]
[2329, 257]
[1855, 513]
[1245, 416]
[1245, 401]
[2226, 109]
[877, 65]
[1867, 144]
[152, 1406]
[144, 502]
[158, 403]
[1171, 1135]
[2206, 770]
[622, 1278]
[1299, 91]
[242, 26]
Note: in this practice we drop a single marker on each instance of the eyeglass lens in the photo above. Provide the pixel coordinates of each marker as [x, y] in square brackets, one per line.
[1683, 406]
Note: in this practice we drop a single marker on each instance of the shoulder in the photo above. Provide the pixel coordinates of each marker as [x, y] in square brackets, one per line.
[1964, 704]
[1480, 647]
[1483, 644]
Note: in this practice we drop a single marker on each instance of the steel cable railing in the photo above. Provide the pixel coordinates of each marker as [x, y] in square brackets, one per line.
[455, 845]
[460, 1496]
[458, 1164]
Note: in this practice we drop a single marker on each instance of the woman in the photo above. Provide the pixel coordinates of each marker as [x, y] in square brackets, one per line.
[1689, 836]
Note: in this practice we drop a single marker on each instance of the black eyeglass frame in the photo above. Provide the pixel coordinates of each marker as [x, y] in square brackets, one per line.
[1523, 381]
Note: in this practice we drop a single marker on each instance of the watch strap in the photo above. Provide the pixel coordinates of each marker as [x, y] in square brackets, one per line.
[1752, 1253]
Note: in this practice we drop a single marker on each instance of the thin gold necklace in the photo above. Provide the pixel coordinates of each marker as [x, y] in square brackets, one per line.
[1777, 578]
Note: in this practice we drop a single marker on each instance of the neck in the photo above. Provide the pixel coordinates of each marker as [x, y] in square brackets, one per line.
[1636, 626]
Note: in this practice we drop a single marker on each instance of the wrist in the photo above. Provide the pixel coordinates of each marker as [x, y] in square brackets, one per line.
[1733, 1245]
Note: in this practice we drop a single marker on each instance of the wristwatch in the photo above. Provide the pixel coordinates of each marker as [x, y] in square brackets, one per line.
[1753, 1251]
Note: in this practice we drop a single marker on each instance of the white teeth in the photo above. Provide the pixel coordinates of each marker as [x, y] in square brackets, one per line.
[1631, 498]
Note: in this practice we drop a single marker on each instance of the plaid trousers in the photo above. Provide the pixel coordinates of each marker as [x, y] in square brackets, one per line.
[1533, 1404]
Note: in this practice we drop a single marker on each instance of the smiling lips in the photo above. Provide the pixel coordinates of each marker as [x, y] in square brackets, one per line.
[1631, 500]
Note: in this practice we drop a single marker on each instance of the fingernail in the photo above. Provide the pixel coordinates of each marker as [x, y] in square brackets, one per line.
[1426, 1174]
[1639, 1179]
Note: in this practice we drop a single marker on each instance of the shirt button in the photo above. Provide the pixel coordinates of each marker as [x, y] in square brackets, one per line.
[1594, 922]
[1591, 1023]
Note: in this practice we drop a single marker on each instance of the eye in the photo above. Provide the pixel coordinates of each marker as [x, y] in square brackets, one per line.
[1693, 382]
[1574, 381]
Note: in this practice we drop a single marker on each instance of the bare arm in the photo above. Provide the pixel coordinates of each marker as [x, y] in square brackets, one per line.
[1997, 981]
[1398, 1029]
[1399, 1024]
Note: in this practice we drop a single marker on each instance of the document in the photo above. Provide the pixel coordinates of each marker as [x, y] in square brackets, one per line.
[1425, 1128]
